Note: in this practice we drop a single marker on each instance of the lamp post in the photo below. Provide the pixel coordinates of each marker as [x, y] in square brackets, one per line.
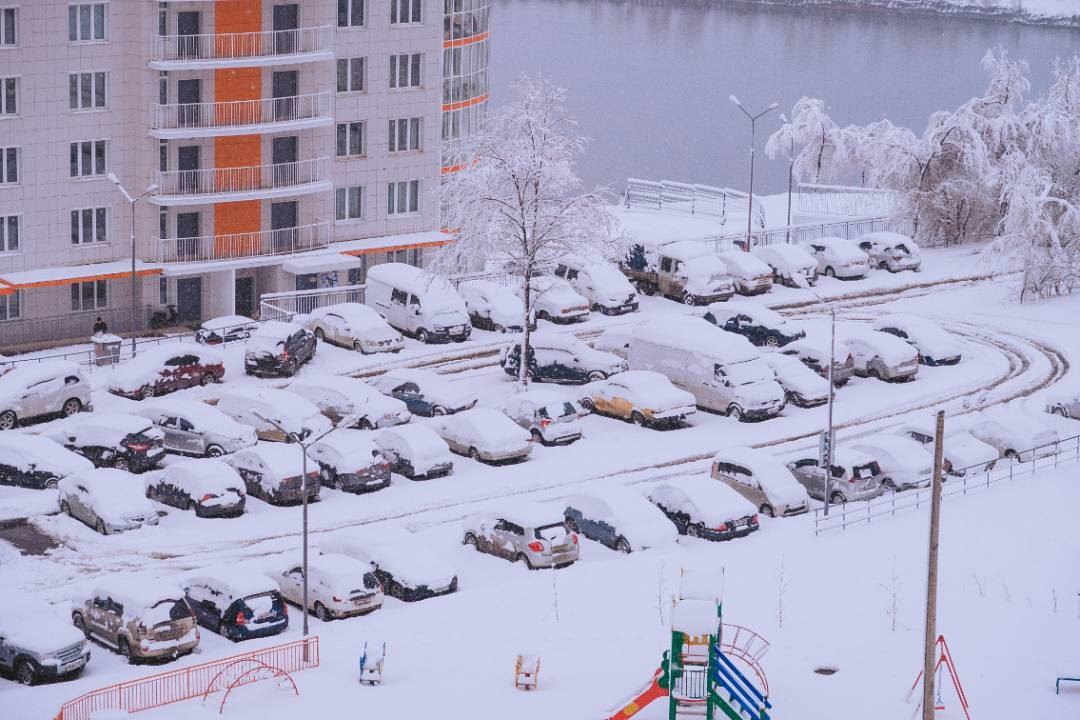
[131, 201]
[829, 437]
[790, 175]
[753, 133]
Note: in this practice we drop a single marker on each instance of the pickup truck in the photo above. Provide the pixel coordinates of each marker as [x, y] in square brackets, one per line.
[683, 270]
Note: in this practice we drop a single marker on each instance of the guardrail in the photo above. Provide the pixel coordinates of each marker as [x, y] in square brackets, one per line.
[846, 200]
[261, 243]
[206, 48]
[234, 113]
[847, 229]
[686, 197]
[256, 178]
[284, 305]
[973, 479]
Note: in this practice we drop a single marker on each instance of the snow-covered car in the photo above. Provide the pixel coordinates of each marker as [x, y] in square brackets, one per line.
[757, 323]
[615, 341]
[139, 618]
[751, 275]
[1021, 439]
[802, 386]
[38, 390]
[106, 499]
[791, 264]
[407, 566]
[607, 290]
[688, 271]
[351, 461]
[485, 435]
[555, 357]
[815, 353]
[424, 392]
[226, 329]
[526, 532]
[704, 508]
[236, 603]
[415, 451]
[880, 355]
[962, 453]
[618, 518]
[854, 476]
[278, 348]
[341, 396]
[837, 257]
[354, 326]
[934, 345]
[126, 442]
[167, 368]
[1066, 405]
[550, 417]
[417, 303]
[891, 251]
[643, 397]
[192, 427]
[274, 473]
[33, 461]
[493, 307]
[257, 406]
[554, 300]
[339, 586]
[762, 479]
[208, 486]
[905, 464]
[39, 647]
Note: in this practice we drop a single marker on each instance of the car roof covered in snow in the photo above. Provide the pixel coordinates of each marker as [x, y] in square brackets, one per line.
[338, 565]
[99, 428]
[746, 262]
[904, 450]
[541, 397]
[884, 237]
[286, 457]
[697, 335]
[350, 387]
[528, 514]
[201, 476]
[348, 442]
[37, 631]
[754, 311]
[554, 340]
[715, 502]
[789, 253]
[412, 280]
[490, 422]
[685, 249]
[46, 454]
[599, 268]
[276, 330]
[235, 581]
[136, 593]
[226, 322]
[848, 457]
[354, 312]
[891, 348]
[22, 377]
[419, 376]
[284, 401]
[422, 439]
[201, 414]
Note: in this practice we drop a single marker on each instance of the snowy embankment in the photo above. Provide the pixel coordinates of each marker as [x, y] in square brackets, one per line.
[1034, 12]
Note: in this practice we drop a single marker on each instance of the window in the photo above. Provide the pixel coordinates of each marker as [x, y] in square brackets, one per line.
[86, 91]
[8, 35]
[350, 13]
[11, 306]
[86, 22]
[402, 197]
[163, 290]
[87, 158]
[89, 225]
[405, 134]
[163, 155]
[163, 88]
[88, 295]
[9, 98]
[350, 139]
[398, 297]
[405, 70]
[350, 202]
[350, 74]
[9, 165]
[9, 232]
[404, 11]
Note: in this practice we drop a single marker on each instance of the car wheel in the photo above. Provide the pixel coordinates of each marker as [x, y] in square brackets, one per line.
[537, 436]
[71, 406]
[124, 648]
[223, 630]
[214, 451]
[1012, 455]
[321, 612]
[735, 412]
[474, 454]
[1059, 411]
[772, 341]
[80, 624]
[422, 335]
[319, 334]
[883, 265]
[64, 507]
[597, 375]
[838, 499]
[689, 299]
[146, 391]
[637, 418]
[292, 368]
[8, 420]
[621, 545]
[206, 379]
[829, 272]
[522, 557]
[121, 463]
[51, 483]
[470, 539]
[24, 673]
[99, 526]
[588, 404]
[888, 484]
[438, 410]
[767, 509]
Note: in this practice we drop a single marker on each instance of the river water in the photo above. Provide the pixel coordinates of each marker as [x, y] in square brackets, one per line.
[649, 82]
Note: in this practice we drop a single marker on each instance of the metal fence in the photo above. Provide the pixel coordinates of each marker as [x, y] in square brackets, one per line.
[284, 305]
[847, 229]
[685, 197]
[846, 200]
[71, 325]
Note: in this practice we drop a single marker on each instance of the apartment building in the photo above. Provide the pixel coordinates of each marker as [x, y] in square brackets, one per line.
[271, 145]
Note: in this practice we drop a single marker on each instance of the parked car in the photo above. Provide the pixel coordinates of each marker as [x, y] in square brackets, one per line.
[838, 258]
[167, 368]
[407, 566]
[226, 329]
[934, 345]
[1021, 440]
[555, 357]
[278, 348]
[485, 435]
[684, 270]
[107, 500]
[536, 535]
[905, 464]
[550, 417]
[339, 586]
[880, 355]
[791, 265]
[139, 618]
[424, 392]
[36, 647]
[962, 451]
[257, 406]
[618, 518]
[616, 341]
[1066, 405]
[758, 324]
[192, 427]
[607, 290]
[802, 386]
[125, 442]
[49, 388]
[854, 476]
[761, 479]
[643, 397]
[236, 603]
[417, 303]
[274, 473]
[354, 326]
[351, 461]
[891, 251]
[814, 353]
[208, 486]
[340, 396]
[33, 461]
[751, 275]
[556, 301]
[415, 451]
[703, 508]
[493, 307]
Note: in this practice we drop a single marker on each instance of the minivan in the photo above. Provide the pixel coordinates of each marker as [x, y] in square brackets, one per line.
[417, 303]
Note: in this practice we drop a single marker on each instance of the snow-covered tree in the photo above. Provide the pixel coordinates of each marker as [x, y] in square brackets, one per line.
[517, 204]
[821, 140]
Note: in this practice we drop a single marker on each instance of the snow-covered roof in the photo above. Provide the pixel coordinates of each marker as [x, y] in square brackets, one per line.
[754, 311]
[554, 340]
[895, 449]
[649, 383]
[202, 476]
[421, 439]
[339, 566]
[46, 455]
[283, 402]
[892, 349]
[887, 238]
[790, 255]
[286, 459]
[697, 335]
[695, 617]
[38, 632]
[713, 502]
[236, 581]
[841, 247]
[925, 333]
[847, 457]
[542, 397]
[490, 425]
[275, 330]
[226, 322]
[745, 263]
[409, 558]
[415, 281]
[685, 249]
[351, 442]
[599, 269]
[101, 429]
[202, 415]
[359, 316]
[767, 469]
[354, 389]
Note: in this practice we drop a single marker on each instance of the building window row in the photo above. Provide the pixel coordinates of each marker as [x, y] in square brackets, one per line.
[404, 134]
[89, 225]
[86, 22]
[92, 295]
[405, 70]
[9, 165]
[88, 158]
[405, 11]
[9, 232]
[86, 91]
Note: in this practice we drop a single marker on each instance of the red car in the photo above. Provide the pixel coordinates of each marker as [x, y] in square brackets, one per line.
[167, 368]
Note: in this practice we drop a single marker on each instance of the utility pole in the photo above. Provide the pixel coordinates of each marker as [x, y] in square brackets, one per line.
[753, 133]
[930, 641]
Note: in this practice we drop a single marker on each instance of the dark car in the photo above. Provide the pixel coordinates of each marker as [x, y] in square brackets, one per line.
[278, 348]
[273, 472]
[758, 324]
[705, 508]
[33, 461]
[167, 369]
[424, 392]
[562, 359]
[125, 442]
[406, 565]
[618, 518]
[40, 648]
[209, 487]
[236, 604]
[351, 461]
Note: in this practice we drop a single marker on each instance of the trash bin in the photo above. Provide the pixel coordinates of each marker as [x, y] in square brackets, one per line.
[106, 349]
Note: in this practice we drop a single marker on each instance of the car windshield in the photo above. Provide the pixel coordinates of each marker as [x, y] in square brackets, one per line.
[370, 581]
[748, 372]
[166, 610]
[866, 471]
[554, 534]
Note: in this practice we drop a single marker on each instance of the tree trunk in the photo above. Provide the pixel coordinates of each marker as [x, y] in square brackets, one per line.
[526, 332]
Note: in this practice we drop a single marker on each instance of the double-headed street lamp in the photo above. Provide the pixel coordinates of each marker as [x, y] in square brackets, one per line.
[753, 140]
[132, 200]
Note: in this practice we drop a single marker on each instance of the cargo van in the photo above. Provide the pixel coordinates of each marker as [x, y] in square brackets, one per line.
[722, 370]
[417, 303]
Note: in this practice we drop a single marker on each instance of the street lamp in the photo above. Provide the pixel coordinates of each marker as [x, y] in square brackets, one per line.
[790, 174]
[753, 130]
[829, 436]
[132, 200]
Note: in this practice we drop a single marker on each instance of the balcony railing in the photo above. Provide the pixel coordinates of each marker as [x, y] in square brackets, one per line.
[238, 116]
[240, 49]
[264, 243]
[177, 187]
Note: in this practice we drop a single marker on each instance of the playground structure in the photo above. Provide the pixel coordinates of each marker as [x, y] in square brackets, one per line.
[371, 663]
[527, 672]
[944, 662]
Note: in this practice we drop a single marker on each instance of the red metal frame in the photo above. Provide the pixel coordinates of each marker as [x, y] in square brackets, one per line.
[248, 676]
[749, 651]
[945, 658]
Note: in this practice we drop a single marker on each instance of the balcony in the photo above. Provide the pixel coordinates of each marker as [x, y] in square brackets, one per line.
[265, 243]
[257, 182]
[242, 117]
[274, 47]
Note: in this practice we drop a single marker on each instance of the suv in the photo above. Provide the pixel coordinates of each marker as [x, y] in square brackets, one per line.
[47, 389]
[236, 604]
[139, 621]
[761, 479]
[33, 649]
[278, 348]
[532, 534]
[562, 359]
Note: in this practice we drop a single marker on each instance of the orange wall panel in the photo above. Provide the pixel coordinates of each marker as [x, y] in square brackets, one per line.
[237, 84]
[239, 219]
[238, 16]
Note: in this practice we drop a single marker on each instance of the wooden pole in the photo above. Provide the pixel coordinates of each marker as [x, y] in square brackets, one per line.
[930, 641]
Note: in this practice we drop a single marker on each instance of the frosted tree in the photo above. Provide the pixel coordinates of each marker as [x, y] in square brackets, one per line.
[517, 204]
[820, 139]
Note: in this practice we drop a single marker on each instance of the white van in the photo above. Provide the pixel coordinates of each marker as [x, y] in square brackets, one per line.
[722, 370]
[417, 303]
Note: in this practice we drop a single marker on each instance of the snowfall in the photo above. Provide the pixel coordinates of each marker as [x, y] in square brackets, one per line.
[850, 599]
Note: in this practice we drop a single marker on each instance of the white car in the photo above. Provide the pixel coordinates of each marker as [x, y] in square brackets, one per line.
[838, 258]
[1064, 404]
[1021, 439]
[607, 290]
[106, 499]
[339, 586]
[554, 300]
[935, 346]
[963, 452]
[485, 435]
[274, 473]
[751, 275]
[643, 397]
[34, 461]
[880, 355]
[226, 329]
[408, 566]
[704, 508]
[620, 518]
[355, 326]
[191, 427]
[351, 461]
[492, 307]
[208, 486]
[415, 451]
[340, 396]
[762, 479]
[814, 353]
[257, 406]
[802, 386]
[891, 251]
[48, 388]
[550, 417]
[791, 264]
[424, 392]
[904, 462]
